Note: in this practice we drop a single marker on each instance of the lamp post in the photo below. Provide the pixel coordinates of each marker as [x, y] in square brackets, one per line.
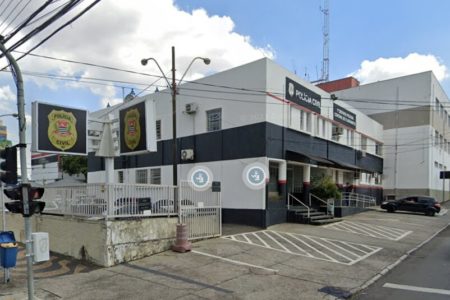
[181, 244]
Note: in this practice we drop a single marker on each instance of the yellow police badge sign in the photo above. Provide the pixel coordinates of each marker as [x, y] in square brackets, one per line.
[132, 128]
[62, 131]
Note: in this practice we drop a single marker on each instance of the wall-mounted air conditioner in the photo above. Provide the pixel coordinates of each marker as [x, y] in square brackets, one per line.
[187, 154]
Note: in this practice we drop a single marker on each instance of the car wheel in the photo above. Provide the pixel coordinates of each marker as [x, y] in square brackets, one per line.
[391, 209]
[430, 213]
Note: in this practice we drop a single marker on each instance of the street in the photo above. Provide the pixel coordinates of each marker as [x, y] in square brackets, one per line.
[425, 274]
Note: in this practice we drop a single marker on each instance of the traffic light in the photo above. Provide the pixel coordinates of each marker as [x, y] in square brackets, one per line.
[16, 207]
[9, 166]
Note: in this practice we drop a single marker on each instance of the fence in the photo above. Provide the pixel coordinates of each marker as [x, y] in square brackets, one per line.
[355, 200]
[111, 200]
[201, 211]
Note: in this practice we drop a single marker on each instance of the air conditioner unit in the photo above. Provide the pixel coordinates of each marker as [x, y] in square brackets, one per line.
[187, 154]
[361, 154]
[338, 130]
[191, 108]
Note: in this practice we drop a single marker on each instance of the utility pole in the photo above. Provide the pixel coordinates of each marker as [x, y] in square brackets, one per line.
[23, 164]
[174, 123]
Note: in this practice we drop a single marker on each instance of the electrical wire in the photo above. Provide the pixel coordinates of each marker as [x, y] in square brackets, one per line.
[17, 15]
[7, 17]
[77, 16]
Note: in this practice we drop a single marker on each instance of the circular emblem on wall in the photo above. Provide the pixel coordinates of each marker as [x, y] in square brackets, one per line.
[132, 128]
[200, 178]
[291, 89]
[255, 176]
[62, 131]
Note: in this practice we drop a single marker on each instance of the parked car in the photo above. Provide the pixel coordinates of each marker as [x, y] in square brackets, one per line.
[424, 204]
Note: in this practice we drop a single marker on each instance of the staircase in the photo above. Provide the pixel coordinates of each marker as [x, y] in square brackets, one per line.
[299, 214]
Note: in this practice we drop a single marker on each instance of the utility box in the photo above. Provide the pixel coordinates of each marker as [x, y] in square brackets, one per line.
[41, 246]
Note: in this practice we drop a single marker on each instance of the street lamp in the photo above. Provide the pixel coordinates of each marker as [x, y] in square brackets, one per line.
[10, 115]
[181, 243]
[173, 88]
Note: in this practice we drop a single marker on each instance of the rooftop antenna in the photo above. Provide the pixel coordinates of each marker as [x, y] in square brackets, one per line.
[326, 42]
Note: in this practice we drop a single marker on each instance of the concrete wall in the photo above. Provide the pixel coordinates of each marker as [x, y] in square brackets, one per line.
[105, 243]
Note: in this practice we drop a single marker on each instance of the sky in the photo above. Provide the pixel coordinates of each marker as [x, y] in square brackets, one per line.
[370, 40]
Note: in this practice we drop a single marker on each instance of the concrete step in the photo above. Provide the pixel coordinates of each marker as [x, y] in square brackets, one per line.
[311, 214]
[322, 216]
[325, 221]
[302, 210]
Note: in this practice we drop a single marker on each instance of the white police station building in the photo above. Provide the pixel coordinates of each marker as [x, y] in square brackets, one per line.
[250, 120]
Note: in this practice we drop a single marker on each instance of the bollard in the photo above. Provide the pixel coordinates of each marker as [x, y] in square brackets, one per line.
[181, 243]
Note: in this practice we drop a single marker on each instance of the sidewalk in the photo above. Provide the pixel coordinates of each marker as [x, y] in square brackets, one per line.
[286, 261]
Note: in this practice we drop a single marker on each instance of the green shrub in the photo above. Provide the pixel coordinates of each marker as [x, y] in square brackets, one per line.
[325, 188]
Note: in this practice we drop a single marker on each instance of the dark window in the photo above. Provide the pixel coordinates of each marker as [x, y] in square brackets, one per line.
[214, 119]
[158, 129]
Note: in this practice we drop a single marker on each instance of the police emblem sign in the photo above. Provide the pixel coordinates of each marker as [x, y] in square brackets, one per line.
[59, 129]
[137, 127]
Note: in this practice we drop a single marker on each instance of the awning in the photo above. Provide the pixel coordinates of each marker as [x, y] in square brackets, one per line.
[347, 165]
[309, 159]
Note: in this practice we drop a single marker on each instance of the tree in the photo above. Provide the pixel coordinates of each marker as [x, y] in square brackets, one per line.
[74, 165]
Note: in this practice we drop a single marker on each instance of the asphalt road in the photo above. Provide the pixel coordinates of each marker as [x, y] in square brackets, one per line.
[423, 275]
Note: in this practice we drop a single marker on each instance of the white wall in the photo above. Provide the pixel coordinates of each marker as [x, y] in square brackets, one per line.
[413, 163]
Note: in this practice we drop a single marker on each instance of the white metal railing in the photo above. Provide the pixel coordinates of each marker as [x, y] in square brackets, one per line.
[355, 200]
[292, 197]
[329, 203]
[110, 200]
[201, 211]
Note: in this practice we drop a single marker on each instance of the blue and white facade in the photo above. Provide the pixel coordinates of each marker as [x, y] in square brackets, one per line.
[257, 113]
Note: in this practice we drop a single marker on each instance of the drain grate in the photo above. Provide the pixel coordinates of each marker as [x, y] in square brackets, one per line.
[336, 292]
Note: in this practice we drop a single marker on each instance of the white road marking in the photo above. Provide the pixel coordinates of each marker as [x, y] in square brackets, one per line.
[235, 261]
[416, 288]
[325, 249]
[376, 231]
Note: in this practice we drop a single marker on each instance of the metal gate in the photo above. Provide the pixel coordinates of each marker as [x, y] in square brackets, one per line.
[201, 211]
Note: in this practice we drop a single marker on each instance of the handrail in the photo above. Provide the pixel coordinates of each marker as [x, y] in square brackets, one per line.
[349, 198]
[321, 200]
[307, 207]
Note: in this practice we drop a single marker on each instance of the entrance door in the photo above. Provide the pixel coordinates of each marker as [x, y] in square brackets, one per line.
[276, 211]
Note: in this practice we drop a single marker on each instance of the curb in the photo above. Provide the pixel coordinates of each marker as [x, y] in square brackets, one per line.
[393, 265]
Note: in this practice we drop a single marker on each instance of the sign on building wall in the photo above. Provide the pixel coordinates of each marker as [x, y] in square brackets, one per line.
[302, 96]
[58, 129]
[137, 127]
[344, 116]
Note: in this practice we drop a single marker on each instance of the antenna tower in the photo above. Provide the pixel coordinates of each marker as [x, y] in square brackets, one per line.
[326, 42]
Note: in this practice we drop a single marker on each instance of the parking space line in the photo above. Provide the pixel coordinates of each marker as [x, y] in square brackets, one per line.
[235, 261]
[376, 231]
[296, 246]
[325, 249]
[365, 229]
[416, 288]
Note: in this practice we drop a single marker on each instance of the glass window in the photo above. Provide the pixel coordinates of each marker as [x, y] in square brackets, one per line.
[141, 176]
[120, 176]
[324, 128]
[158, 129]
[363, 143]
[378, 149]
[155, 176]
[436, 138]
[214, 119]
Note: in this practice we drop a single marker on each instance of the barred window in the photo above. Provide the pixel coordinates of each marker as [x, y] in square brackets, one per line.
[158, 129]
[214, 119]
[120, 176]
[141, 176]
[155, 176]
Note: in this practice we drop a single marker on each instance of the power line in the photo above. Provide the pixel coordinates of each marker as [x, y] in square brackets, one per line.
[18, 14]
